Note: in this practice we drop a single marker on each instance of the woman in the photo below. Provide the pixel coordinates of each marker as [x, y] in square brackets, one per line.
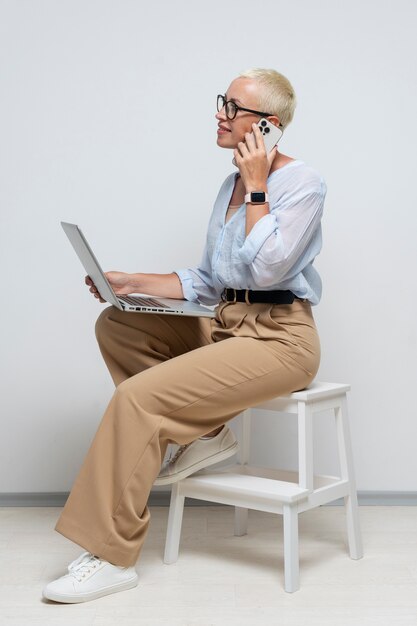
[180, 379]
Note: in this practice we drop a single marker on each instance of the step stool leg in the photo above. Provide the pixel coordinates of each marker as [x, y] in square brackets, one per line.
[243, 436]
[241, 521]
[176, 509]
[291, 558]
[347, 471]
[353, 529]
[305, 447]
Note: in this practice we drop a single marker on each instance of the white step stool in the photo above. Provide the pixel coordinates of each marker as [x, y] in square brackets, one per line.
[278, 491]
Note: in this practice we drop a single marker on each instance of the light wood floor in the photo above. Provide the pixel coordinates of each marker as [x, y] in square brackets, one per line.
[221, 579]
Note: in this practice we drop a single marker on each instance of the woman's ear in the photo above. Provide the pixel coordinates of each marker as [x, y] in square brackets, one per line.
[274, 120]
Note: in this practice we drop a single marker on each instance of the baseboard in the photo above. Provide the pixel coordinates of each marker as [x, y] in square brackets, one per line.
[162, 498]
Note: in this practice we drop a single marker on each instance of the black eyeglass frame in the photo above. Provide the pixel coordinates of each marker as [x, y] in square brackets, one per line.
[238, 108]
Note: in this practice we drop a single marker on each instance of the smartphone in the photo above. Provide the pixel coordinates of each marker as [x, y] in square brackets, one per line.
[271, 134]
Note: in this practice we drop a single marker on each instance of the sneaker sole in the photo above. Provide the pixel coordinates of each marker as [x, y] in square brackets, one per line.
[91, 595]
[215, 458]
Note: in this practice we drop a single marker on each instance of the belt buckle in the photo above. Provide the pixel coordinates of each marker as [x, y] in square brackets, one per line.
[224, 294]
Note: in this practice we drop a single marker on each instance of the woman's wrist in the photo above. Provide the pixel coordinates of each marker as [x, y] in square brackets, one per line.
[134, 281]
[261, 186]
[163, 285]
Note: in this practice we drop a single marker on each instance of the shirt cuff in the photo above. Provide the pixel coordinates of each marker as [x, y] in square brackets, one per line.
[257, 237]
[187, 285]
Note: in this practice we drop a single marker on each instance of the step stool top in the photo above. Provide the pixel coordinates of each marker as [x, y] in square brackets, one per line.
[316, 390]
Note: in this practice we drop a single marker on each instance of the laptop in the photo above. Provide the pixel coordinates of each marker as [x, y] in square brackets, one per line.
[134, 304]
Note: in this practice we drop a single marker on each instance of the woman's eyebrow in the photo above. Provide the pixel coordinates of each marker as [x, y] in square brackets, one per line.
[232, 99]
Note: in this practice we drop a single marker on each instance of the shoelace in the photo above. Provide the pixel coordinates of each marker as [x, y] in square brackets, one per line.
[172, 459]
[83, 565]
[178, 453]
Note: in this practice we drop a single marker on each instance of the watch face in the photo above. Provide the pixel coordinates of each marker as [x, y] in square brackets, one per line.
[257, 196]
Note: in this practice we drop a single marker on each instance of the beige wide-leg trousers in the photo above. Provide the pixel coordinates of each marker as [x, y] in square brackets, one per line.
[177, 378]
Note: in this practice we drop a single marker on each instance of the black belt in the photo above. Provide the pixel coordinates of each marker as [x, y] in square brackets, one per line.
[248, 296]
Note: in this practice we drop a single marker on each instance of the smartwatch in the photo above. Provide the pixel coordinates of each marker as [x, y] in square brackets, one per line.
[256, 197]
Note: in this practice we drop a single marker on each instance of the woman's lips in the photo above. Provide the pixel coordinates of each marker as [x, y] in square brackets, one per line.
[222, 131]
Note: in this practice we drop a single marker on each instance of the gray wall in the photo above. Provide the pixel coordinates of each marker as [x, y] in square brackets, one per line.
[107, 114]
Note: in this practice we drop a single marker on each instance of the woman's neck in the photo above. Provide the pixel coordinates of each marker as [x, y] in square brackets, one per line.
[279, 161]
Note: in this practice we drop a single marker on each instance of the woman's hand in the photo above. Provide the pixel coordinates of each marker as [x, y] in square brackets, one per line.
[252, 160]
[162, 285]
[119, 281]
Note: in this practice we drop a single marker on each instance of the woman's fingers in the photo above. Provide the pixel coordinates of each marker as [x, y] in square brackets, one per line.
[243, 148]
[98, 296]
[257, 137]
[93, 289]
[253, 141]
[250, 141]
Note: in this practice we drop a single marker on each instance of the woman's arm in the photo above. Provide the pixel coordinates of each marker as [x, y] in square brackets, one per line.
[281, 244]
[254, 167]
[163, 285]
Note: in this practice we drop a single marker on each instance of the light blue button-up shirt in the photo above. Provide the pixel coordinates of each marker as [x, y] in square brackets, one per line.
[278, 252]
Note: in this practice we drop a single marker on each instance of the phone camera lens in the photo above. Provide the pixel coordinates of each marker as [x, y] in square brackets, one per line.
[263, 123]
[266, 130]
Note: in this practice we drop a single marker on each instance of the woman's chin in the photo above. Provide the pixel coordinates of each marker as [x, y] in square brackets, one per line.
[224, 144]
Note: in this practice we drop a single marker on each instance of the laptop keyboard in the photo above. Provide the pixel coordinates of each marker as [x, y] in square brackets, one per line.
[136, 300]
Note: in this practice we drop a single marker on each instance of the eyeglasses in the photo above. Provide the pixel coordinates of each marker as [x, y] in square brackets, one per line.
[232, 108]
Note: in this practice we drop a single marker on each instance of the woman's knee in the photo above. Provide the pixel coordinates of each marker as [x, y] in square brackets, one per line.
[134, 398]
[102, 324]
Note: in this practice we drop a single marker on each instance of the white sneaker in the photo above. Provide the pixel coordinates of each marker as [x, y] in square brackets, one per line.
[88, 578]
[200, 453]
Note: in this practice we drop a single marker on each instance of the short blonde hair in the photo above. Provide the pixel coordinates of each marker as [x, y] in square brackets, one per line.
[277, 95]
